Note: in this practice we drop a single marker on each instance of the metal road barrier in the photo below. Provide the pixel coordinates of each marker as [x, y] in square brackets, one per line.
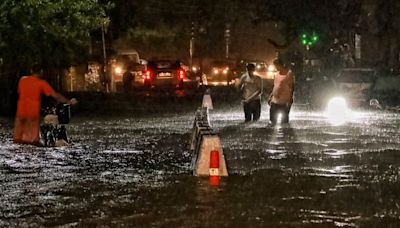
[205, 143]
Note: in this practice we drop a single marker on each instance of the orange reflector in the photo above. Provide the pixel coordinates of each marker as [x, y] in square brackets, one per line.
[214, 180]
[214, 168]
[214, 160]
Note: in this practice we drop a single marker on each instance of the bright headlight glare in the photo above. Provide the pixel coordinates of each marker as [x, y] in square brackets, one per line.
[270, 75]
[337, 111]
[271, 68]
[215, 71]
[118, 70]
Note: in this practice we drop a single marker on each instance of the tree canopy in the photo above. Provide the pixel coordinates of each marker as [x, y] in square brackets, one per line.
[142, 21]
[49, 32]
[55, 32]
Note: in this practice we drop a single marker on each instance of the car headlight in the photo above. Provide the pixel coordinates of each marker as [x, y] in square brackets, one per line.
[337, 111]
[225, 71]
[271, 68]
[118, 70]
[215, 71]
[271, 72]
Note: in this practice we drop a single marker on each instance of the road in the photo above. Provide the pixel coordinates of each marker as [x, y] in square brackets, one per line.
[134, 170]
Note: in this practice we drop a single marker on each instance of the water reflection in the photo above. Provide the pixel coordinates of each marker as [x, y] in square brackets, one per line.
[136, 172]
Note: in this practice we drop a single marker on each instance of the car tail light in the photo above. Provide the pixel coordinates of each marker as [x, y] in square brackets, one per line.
[148, 74]
[181, 74]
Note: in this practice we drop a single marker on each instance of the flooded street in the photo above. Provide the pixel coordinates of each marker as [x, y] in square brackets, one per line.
[135, 172]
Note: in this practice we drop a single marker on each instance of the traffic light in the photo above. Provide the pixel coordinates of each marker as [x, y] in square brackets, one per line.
[227, 33]
[308, 39]
[192, 31]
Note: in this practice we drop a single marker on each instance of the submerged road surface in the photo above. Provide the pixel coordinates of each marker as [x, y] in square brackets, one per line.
[135, 171]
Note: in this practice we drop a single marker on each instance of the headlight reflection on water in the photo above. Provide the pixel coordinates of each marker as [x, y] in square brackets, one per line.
[279, 118]
[337, 111]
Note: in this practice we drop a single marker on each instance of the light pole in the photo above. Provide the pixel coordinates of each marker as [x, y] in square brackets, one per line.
[191, 45]
[104, 24]
[357, 47]
[227, 39]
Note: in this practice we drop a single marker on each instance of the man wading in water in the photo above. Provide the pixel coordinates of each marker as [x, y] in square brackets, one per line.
[281, 98]
[30, 90]
[251, 86]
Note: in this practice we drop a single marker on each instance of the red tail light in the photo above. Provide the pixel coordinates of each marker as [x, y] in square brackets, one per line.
[181, 74]
[148, 74]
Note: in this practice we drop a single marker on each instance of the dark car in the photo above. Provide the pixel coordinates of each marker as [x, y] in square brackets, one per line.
[220, 73]
[165, 74]
[355, 85]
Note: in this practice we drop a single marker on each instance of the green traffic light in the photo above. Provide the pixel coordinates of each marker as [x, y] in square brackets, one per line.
[308, 39]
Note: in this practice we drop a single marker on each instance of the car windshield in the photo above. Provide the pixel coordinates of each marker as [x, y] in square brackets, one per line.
[356, 76]
[261, 66]
[132, 58]
[163, 64]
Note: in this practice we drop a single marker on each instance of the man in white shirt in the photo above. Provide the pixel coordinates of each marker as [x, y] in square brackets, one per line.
[281, 98]
[251, 86]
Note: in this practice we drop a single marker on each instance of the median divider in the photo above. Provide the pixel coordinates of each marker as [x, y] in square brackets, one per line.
[206, 145]
[207, 101]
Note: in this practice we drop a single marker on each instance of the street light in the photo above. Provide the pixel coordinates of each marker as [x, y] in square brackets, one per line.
[227, 39]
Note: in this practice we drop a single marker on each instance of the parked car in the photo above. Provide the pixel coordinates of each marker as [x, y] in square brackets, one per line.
[220, 73]
[126, 62]
[165, 74]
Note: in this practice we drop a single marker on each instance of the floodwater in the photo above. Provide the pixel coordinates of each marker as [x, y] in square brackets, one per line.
[135, 172]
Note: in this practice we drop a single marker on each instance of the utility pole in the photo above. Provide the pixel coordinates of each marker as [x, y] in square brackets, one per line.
[357, 47]
[227, 39]
[109, 87]
[103, 40]
[191, 45]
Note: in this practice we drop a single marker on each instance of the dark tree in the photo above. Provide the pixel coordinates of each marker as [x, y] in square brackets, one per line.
[49, 33]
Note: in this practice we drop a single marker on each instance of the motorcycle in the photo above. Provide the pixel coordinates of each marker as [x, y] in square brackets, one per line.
[52, 131]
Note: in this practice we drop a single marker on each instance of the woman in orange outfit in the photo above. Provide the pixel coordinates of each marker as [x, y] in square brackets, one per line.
[27, 121]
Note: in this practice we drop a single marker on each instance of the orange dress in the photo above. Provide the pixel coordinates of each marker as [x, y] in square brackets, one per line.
[30, 90]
